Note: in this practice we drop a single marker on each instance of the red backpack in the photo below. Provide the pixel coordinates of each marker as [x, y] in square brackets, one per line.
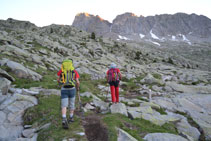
[113, 75]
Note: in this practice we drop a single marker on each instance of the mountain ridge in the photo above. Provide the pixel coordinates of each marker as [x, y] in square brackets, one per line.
[168, 26]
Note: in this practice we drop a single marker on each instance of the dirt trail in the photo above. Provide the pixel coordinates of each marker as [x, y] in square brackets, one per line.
[94, 128]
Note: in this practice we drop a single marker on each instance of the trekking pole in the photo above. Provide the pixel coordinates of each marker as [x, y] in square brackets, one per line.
[79, 100]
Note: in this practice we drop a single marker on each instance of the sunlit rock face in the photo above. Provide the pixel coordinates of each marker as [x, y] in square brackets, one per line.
[91, 23]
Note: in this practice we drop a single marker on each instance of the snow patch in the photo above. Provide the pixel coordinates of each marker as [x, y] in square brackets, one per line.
[141, 35]
[123, 37]
[173, 37]
[185, 39]
[153, 35]
[156, 43]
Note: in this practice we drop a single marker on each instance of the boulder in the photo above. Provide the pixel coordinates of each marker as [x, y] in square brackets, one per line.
[149, 79]
[184, 127]
[119, 108]
[2, 117]
[163, 137]
[90, 95]
[124, 136]
[103, 105]
[22, 72]
[4, 85]
[89, 107]
[10, 132]
[48, 91]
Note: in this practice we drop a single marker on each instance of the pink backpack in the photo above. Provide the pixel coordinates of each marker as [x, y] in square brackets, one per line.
[113, 75]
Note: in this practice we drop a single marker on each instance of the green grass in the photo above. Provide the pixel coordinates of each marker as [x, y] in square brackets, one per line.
[138, 128]
[161, 111]
[88, 85]
[156, 75]
[48, 111]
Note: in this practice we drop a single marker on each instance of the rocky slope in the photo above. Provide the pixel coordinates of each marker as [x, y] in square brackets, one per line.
[173, 76]
[179, 26]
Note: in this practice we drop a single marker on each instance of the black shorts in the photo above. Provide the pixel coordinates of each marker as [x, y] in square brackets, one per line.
[114, 83]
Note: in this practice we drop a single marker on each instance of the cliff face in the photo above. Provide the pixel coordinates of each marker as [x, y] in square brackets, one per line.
[91, 23]
[160, 25]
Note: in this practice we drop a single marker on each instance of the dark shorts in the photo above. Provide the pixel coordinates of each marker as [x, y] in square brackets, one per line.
[68, 98]
[114, 83]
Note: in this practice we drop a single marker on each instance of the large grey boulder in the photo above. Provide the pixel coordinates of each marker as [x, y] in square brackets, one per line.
[119, 108]
[163, 137]
[10, 132]
[149, 79]
[4, 85]
[124, 136]
[23, 72]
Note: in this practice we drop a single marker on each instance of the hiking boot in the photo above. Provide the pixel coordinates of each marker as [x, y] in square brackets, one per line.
[71, 120]
[64, 123]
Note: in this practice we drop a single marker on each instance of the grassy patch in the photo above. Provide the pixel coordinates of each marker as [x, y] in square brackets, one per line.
[48, 111]
[138, 128]
[88, 85]
[156, 75]
[161, 111]
[143, 99]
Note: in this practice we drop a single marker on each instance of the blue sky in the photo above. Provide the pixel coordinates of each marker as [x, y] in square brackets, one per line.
[46, 12]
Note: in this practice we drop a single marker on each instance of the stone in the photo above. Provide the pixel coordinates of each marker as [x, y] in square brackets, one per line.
[29, 133]
[163, 137]
[184, 127]
[90, 95]
[2, 117]
[103, 105]
[149, 79]
[10, 132]
[29, 92]
[89, 107]
[119, 108]
[4, 85]
[22, 72]
[50, 92]
[124, 136]
[31, 99]
[151, 104]
[45, 126]
[156, 88]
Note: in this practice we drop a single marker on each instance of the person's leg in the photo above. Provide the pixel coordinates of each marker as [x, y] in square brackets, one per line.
[117, 91]
[113, 98]
[72, 103]
[117, 94]
[64, 104]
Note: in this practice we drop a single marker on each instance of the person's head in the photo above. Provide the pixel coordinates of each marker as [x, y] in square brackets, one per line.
[113, 65]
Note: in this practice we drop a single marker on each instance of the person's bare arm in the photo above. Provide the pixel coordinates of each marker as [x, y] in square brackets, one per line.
[120, 76]
[77, 83]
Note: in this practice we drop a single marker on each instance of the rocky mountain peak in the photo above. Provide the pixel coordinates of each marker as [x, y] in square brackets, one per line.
[177, 27]
[91, 23]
